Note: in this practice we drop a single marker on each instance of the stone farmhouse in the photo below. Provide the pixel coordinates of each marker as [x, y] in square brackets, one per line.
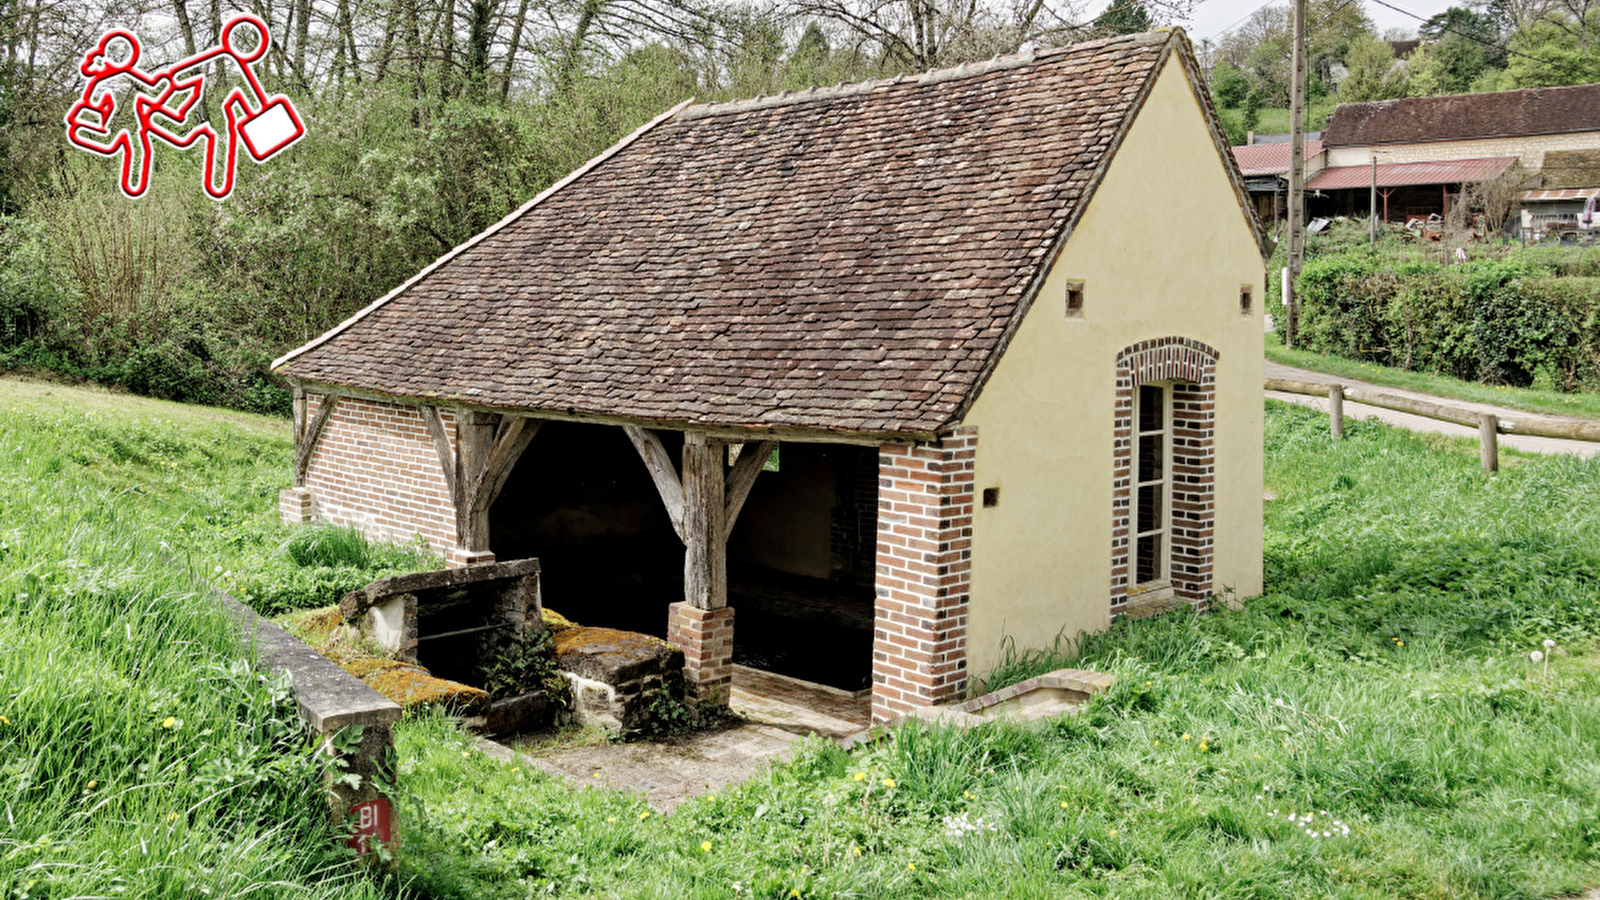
[1427, 148]
[906, 373]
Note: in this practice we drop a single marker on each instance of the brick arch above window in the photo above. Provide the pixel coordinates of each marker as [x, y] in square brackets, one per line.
[1167, 359]
[1191, 366]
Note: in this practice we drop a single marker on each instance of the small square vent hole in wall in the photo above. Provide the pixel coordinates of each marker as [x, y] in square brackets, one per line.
[991, 496]
[1074, 299]
[1246, 296]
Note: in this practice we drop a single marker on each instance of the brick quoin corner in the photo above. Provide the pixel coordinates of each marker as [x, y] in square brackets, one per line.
[924, 582]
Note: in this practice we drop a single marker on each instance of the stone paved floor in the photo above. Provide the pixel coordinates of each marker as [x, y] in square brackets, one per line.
[665, 773]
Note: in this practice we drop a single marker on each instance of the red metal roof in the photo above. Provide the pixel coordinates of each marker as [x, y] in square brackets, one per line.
[1453, 171]
[1559, 194]
[1268, 159]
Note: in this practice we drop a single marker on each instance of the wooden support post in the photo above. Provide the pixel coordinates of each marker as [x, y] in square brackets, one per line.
[1489, 442]
[1336, 410]
[299, 412]
[705, 561]
[474, 442]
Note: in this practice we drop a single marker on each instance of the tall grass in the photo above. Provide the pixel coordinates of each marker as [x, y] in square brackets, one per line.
[141, 754]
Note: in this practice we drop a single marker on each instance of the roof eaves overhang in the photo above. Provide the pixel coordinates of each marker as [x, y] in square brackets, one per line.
[731, 431]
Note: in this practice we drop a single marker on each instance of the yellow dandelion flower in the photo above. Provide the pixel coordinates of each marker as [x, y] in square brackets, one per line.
[1156, 744]
[860, 776]
[911, 867]
[1401, 643]
[611, 818]
[967, 795]
[93, 785]
[889, 782]
[1203, 746]
[1255, 755]
[1111, 833]
[1063, 804]
[1186, 735]
[171, 816]
[705, 846]
[855, 850]
[1148, 683]
[466, 753]
[794, 892]
[4, 721]
[644, 814]
[595, 775]
[169, 722]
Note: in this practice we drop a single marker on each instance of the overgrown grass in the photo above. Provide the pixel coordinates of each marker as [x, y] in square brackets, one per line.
[1585, 404]
[1382, 685]
[141, 754]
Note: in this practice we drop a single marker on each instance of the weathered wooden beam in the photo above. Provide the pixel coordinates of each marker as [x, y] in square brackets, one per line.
[1489, 443]
[441, 446]
[752, 458]
[705, 559]
[299, 408]
[475, 433]
[662, 472]
[307, 444]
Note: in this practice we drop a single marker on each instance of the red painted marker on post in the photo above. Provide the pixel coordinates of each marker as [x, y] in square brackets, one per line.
[162, 101]
[371, 825]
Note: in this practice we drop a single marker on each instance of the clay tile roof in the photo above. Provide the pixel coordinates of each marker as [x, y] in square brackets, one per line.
[1461, 116]
[1269, 159]
[842, 259]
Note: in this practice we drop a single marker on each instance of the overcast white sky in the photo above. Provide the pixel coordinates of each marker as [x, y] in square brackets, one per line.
[1213, 17]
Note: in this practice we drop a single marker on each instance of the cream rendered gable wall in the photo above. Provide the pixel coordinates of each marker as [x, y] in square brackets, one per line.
[1162, 249]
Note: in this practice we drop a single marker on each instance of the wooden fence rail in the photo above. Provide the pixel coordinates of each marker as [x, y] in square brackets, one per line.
[1489, 425]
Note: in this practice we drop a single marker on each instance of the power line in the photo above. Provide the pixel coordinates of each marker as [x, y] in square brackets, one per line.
[1469, 36]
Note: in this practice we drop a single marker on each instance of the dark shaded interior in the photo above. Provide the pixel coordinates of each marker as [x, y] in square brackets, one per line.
[801, 558]
[582, 502]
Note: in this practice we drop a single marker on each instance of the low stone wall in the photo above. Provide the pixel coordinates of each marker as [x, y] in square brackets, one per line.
[352, 719]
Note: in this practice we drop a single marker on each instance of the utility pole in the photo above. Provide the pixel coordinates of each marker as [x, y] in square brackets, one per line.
[1372, 206]
[1297, 174]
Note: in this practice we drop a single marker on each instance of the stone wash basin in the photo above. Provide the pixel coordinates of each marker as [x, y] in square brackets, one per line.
[616, 675]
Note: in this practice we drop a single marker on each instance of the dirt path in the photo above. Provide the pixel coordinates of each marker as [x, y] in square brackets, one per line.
[1522, 442]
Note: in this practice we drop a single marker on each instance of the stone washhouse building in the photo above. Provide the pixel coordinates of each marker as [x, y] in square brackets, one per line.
[1000, 324]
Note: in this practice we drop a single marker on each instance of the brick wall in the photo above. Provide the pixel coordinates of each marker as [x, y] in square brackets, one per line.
[925, 501]
[376, 467]
[1192, 367]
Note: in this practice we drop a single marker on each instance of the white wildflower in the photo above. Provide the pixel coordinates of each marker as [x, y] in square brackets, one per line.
[1537, 656]
[1549, 644]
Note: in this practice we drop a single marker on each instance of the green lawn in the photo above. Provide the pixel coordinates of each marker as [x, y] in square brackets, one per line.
[1383, 685]
[1584, 404]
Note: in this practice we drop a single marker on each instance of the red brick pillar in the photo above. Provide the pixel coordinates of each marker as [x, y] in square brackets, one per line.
[925, 500]
[706, 638]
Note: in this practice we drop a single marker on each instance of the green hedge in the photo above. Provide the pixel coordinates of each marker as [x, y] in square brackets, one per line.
[1509, 321]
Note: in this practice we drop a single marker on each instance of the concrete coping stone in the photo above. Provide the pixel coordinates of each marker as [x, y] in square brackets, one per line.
[360, 600]
[1077, 681]
[330, 698]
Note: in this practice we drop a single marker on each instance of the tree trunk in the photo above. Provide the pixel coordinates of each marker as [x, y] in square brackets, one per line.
[511, 52]
[478, 38]
[447, 51]
[302, 33]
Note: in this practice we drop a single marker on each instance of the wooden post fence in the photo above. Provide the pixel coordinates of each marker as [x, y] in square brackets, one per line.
[1489, 426]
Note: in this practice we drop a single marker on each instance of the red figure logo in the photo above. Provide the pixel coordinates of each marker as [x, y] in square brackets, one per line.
[162, 101]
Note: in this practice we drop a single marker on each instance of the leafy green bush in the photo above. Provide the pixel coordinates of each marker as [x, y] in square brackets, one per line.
[1499, 321]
